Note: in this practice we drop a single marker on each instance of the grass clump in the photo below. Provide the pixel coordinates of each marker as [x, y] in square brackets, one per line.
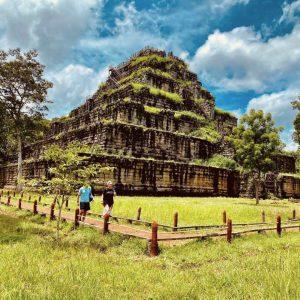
[221, 112]
[176, 98]
[294, 175]
[152, 109]
[199, 101]
[189, 115]
[207, 133]
[218, 161]
[158, 92]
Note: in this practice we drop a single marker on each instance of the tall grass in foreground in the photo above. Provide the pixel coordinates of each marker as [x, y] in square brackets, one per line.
[87, 265]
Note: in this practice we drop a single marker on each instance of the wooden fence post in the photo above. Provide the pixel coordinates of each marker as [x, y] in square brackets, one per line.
[263, 217]
[52, 217]
[67, 203]
[224, 217]
[8, 200]
[154, 243]
[22, 194]
[278, 227]
[105, 224]
[7, 193]
[76, 219]
[40, 198]
[138, 217]
[229, 230]
[175, 221]
[20, 203]
[35, 207]
[14, 194]
[294, 214]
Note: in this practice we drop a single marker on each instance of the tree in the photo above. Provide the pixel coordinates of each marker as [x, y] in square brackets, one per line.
[296, 135]
[69, 169]
[255, 141]
[23, 92]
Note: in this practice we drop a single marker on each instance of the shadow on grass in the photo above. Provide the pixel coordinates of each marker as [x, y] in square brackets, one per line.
[14, 228]
[261, 204]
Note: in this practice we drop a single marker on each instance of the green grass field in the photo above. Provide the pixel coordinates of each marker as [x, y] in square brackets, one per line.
[192, 211]
[86, 265]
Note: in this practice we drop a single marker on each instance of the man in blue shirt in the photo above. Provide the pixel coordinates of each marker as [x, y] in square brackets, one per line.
[84, 197]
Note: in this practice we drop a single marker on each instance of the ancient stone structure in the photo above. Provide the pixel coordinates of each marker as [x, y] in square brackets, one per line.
[152, 121]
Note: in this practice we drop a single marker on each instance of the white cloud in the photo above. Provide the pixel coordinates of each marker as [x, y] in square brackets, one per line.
[240, 60]
[223, 5]
[52, 27]
[279, 105]
[72, 85]
[289, 12]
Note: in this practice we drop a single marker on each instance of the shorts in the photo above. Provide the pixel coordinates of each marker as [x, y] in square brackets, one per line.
[85, 206]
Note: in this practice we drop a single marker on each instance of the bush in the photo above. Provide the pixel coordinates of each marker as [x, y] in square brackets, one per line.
[189, 115]
[221, 112]
[152, 109]
[207, 133]
[218, 161]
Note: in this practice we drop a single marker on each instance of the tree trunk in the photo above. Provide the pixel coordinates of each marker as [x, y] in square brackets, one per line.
[257, 186]
[257, 191]
[20, 162]
[58, 221]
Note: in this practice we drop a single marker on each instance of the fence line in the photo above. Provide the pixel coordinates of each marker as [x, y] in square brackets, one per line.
[153, 241]
[173, 228]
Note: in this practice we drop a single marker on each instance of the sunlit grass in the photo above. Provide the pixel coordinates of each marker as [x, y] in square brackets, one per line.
[192, 211]
[87, 265]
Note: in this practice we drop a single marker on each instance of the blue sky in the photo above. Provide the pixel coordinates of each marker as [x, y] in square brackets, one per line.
[246, 52]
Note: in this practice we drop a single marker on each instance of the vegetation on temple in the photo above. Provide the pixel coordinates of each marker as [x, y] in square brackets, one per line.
[222, 112]
[218, 161]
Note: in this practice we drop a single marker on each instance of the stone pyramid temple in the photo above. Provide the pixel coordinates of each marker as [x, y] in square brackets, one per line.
[154, 123]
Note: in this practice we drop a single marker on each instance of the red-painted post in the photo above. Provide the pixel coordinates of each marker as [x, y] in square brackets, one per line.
[76, 219]
[263, 217]
[175, 221]
[106, 224]
[139, 211]
[52, 217]
[224, 217]
[229, 230]
[278, 227]
[35, 207]
[20, 203]
[294, 214]
[154, 243]
[8, 200]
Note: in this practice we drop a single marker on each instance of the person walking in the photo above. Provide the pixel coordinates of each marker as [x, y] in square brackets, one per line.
[85, 196]
[108, 198]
